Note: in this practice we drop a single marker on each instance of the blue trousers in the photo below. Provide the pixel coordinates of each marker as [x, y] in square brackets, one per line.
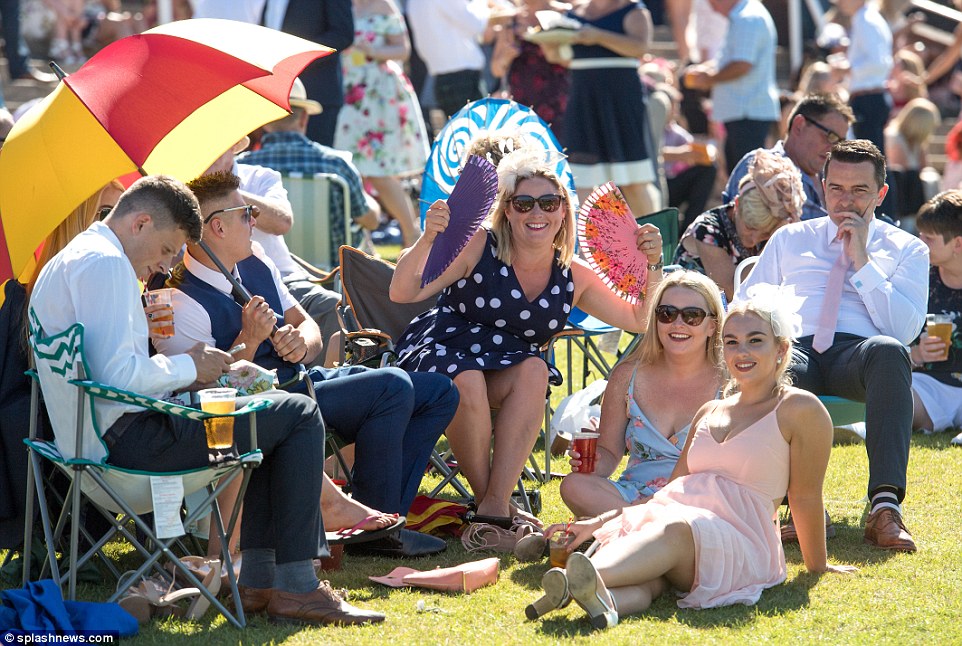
[281, 510]
[394, 418]
[743, 136]
[871, 114]
[876, 371]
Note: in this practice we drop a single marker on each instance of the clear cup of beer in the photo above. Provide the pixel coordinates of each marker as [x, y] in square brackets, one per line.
[940, 325]
[220, 430]
[162, 320]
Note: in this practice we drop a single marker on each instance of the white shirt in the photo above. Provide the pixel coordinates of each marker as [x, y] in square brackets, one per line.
[446, 33]
[889, 295]
[243, 10]
[870, 51]
[191, 320]
[267, 183]
[92, 282]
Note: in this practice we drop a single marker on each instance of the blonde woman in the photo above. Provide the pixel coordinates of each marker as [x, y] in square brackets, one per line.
[508, 291]
[770, 195]
[710, 534]
[652, 397]
[906, 138]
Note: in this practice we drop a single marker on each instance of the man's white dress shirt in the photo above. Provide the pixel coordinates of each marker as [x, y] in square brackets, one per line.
[92, 282]
[887, 296]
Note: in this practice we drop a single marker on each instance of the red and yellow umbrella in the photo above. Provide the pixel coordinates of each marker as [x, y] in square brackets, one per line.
[168, 101]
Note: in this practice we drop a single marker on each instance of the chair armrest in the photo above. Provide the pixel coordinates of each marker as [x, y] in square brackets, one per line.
[103, 391]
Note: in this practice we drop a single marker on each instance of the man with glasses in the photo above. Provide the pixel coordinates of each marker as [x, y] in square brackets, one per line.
[865, 285]
[393, 418]
[817, 123]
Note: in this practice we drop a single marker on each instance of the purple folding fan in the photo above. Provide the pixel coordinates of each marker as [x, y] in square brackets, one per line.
[470, 202]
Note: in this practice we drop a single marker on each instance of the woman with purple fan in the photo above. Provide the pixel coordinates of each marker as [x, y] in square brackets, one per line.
[506, 289]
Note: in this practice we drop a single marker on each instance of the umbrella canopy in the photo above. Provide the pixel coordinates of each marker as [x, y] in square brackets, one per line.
[168, 101]
[485, 116]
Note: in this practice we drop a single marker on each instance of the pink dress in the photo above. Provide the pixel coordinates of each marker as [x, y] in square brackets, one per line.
[729, 500]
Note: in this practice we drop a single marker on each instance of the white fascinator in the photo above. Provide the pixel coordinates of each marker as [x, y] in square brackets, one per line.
[781, 304]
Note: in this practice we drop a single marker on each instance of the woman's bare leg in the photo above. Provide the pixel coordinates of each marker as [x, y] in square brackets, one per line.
[397, 202]
[631, 564]
[637, 598]
[589, 495]
[641, 198]
[469, 433]
[341, 511]
[920, 417]
[518, 393]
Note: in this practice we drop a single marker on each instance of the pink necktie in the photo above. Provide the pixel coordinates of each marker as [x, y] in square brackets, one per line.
[828, 317]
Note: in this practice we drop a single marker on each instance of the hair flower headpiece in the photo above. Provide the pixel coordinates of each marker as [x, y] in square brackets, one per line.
[781, 304]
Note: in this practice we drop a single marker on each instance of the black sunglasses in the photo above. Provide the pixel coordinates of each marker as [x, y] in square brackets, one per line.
[249, 212]
[690, 315]
[831, 135]
[549, 203]
[104, 212]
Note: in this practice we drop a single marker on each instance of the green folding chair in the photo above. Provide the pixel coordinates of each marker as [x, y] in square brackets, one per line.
[120, 495]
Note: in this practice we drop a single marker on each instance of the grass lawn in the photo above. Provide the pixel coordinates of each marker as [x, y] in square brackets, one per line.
[893, 598]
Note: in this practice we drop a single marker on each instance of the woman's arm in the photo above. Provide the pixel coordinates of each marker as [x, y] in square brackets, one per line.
[614, 417]
[946, 60]
[597, 299]
[396, 47]
[807, 428]
[634, 43]
[718, 266]
[406, 283]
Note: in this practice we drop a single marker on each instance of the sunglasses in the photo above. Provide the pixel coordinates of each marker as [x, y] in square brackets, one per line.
[831, 135]
[104, 212]
[690, 315]
[548, 203]
[250, 212]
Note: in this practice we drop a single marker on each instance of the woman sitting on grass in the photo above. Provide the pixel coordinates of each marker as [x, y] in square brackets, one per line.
[652, 397]
[709, 534]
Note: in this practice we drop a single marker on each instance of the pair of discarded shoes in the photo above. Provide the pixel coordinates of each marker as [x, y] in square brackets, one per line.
[155, 597]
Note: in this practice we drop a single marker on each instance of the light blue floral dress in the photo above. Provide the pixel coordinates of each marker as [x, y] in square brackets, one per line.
[651, 456]
[380, 121]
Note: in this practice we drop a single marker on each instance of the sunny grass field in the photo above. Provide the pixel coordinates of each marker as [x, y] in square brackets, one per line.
[893, 599]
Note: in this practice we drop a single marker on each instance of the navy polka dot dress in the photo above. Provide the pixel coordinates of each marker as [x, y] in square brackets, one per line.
[484, 321]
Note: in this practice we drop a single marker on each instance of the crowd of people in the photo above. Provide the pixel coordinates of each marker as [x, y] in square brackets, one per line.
[717, 409]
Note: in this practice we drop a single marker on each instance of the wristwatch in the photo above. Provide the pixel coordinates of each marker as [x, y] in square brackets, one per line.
[660, 265]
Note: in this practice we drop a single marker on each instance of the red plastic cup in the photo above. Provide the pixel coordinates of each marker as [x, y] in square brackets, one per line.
[585, 444]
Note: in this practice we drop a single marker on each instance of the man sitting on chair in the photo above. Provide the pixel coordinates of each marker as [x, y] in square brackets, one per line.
[393, 417]
[286, 148]
[865, 284]
[93, 281]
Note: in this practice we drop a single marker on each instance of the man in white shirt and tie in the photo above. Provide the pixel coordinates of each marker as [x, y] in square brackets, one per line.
[853, 342]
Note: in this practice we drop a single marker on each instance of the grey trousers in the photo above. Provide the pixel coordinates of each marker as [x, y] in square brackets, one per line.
[281, 506]
[874, 370]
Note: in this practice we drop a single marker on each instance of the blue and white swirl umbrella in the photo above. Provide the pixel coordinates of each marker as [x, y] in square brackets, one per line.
[480, 117]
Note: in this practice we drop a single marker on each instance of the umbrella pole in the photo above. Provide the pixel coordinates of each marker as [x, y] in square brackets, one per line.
[241, 295]
[61, 75]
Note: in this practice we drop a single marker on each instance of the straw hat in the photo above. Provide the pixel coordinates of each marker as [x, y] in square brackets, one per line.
[299, 99]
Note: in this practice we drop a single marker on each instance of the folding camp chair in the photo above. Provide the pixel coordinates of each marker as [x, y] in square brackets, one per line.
[310, 235]
[121, 495]
[368, 313]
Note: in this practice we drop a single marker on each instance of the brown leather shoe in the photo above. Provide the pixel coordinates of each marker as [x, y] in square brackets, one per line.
[790, 534]
[884, 529]
[254, 600]
[320, 606]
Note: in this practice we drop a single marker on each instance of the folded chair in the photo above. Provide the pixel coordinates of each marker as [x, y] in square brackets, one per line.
[367, 314]
[121, 495]
[314, 223]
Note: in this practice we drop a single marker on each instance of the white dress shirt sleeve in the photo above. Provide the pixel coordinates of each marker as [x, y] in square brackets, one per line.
[107, 303]
[897, 305]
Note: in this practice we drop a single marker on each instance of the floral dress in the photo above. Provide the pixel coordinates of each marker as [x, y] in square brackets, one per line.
[485, 322]
[651, 455]
[380, 122]
[713, 227]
